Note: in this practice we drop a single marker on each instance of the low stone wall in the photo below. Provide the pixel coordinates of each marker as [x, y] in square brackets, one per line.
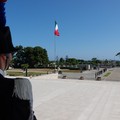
[48, 76]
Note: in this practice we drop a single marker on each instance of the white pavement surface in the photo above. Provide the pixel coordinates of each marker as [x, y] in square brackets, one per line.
[68, 99]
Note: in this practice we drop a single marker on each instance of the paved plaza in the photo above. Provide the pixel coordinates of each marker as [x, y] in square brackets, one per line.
[73, 99]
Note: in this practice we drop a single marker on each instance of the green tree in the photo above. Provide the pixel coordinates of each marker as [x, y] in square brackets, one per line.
[25, 67]
[19, 57]
[72, 61]
[95, 61]
[40, 57]
[61, 62]
[33, 56]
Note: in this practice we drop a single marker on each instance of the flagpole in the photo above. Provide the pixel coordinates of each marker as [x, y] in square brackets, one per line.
[55, 51]
[56, 33]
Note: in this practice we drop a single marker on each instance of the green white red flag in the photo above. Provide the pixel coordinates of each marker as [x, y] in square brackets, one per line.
[56, 32]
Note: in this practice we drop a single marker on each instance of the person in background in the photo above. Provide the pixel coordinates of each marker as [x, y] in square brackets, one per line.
[16, 99]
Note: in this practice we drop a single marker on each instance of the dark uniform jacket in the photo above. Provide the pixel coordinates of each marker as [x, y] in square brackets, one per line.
[15, 101]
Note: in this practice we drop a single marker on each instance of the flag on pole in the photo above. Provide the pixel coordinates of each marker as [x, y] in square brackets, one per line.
[56, 32]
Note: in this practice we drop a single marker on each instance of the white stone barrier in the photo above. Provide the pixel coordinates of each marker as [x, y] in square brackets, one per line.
[47, 76]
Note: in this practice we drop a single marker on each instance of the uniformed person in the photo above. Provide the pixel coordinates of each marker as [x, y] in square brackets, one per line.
[16, 99]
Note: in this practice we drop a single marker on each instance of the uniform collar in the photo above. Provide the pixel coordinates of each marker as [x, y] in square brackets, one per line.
[2, 72]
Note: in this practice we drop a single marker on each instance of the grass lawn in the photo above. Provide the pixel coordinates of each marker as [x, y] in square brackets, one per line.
[33, 72]
[107, 74]
[36, 72]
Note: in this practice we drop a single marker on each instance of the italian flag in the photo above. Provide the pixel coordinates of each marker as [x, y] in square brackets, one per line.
[56, 32]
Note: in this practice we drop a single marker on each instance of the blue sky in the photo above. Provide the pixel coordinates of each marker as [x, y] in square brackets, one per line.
[88, 28]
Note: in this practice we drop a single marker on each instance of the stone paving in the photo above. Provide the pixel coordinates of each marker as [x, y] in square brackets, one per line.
[72, 99]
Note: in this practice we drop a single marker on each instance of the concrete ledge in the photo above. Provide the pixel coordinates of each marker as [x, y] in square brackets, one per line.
[48, 76]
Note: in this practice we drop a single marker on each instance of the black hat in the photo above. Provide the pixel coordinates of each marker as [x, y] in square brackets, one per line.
[6, 45]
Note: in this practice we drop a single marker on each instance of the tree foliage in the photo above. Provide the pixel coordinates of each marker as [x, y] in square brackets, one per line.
[33, 56]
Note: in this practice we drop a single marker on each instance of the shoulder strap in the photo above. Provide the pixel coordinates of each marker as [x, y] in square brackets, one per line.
[22, 89]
